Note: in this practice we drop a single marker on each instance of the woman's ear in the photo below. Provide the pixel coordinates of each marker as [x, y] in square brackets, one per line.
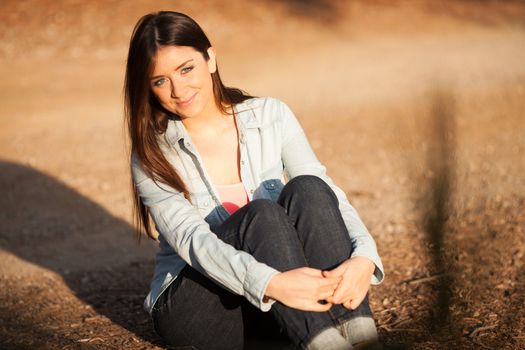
[212, 62]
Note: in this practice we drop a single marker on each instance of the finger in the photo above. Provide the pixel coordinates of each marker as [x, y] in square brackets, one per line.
[348, 305]
[333, 285]
[325, 295]
[334, 300]
[312, 272]
[354, 303]
[338, 300]
[320, 307]
[310, 305]
[328, 282]
[336, 279]
[332, 279]
[338, 271]
[341, 294]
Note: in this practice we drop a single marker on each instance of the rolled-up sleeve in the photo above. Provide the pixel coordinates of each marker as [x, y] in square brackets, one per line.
[299, 159]
[190, 236]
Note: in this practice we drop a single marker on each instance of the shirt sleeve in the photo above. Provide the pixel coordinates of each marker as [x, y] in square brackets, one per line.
[299, 159]
[190, 236]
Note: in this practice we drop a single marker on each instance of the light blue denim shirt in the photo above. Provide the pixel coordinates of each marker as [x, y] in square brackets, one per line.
[273, 148]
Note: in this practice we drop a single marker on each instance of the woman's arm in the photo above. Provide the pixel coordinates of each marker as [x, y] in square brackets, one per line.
[299, 159]
[190, 236]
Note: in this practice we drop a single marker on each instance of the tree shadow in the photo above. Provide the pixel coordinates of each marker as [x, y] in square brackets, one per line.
[51, 225]
[485, 13]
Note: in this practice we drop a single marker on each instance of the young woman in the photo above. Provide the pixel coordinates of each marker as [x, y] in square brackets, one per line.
[209, 165]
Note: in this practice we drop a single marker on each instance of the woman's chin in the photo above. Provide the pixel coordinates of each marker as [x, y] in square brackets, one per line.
[187, 114]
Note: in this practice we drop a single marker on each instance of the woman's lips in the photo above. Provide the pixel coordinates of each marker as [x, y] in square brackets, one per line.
[187, 102]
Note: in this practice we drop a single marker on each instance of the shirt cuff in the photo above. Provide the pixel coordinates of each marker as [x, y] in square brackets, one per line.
[257, 278]
[379, 273]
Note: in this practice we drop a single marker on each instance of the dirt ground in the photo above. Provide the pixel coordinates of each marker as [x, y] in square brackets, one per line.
[416, 109]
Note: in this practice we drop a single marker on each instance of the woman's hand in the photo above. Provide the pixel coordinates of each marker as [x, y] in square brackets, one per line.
[356, 274]
[302, 288]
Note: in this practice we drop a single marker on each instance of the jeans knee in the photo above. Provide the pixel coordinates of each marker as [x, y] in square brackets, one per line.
[270, 215]
[310, 187]
[310, 180]
[265, 208]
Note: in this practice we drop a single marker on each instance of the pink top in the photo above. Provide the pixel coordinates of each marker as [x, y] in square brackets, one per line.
[232, 196]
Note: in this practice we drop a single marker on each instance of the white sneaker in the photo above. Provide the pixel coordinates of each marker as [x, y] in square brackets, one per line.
[329, 339]
[361, 332]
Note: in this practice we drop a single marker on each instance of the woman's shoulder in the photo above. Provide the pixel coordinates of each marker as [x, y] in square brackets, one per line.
[264, 108]
[261, 102]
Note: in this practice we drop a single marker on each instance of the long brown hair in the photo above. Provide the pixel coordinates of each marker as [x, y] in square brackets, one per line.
[146, 118]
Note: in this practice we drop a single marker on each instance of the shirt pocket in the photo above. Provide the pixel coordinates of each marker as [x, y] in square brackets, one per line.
[204, 203]
[269, 189]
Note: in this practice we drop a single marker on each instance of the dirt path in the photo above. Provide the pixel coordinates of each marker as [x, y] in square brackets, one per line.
[367, 81]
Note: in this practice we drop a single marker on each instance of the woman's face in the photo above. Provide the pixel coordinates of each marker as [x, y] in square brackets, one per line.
[181, 80]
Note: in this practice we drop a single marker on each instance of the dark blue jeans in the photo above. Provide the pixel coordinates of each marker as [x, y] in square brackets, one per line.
[304, 228]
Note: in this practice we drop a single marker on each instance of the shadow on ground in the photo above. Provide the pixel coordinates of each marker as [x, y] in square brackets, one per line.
[50, 225]
[54, 227]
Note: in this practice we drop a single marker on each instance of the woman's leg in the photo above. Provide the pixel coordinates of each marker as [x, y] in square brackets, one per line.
[263, 229]
[320, 234]
[194, 313]
[313, 208]
[312, 235]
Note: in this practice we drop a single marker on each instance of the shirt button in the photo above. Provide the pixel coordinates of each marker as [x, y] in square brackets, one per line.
[251, 191]
[206, 204]
[242, 162]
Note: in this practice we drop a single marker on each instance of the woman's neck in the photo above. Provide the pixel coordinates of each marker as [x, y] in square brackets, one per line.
[208, 124]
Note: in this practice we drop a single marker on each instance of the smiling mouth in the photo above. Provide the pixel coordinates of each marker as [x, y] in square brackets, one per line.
[187, 102]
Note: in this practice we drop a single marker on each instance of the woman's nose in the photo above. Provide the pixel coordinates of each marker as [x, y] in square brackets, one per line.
[173, 88]
[177, 88]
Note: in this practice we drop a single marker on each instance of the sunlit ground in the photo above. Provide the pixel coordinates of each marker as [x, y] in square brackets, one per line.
[372, 83]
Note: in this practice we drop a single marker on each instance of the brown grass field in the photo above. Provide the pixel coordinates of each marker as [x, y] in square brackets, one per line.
[415, 107]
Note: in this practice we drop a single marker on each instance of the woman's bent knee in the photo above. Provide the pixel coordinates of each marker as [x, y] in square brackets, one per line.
[265, 209]
[263, 204]
[309, 187]
[268, 214]
[309, 181]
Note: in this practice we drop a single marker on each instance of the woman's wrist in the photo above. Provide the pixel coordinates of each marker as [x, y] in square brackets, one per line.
[269, 293]
[367, 263]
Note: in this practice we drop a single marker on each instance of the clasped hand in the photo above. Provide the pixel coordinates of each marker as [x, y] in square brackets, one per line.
[304, 287]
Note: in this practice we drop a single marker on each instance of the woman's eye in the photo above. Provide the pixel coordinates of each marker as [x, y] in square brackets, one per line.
[159, 82]
[187, 69]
